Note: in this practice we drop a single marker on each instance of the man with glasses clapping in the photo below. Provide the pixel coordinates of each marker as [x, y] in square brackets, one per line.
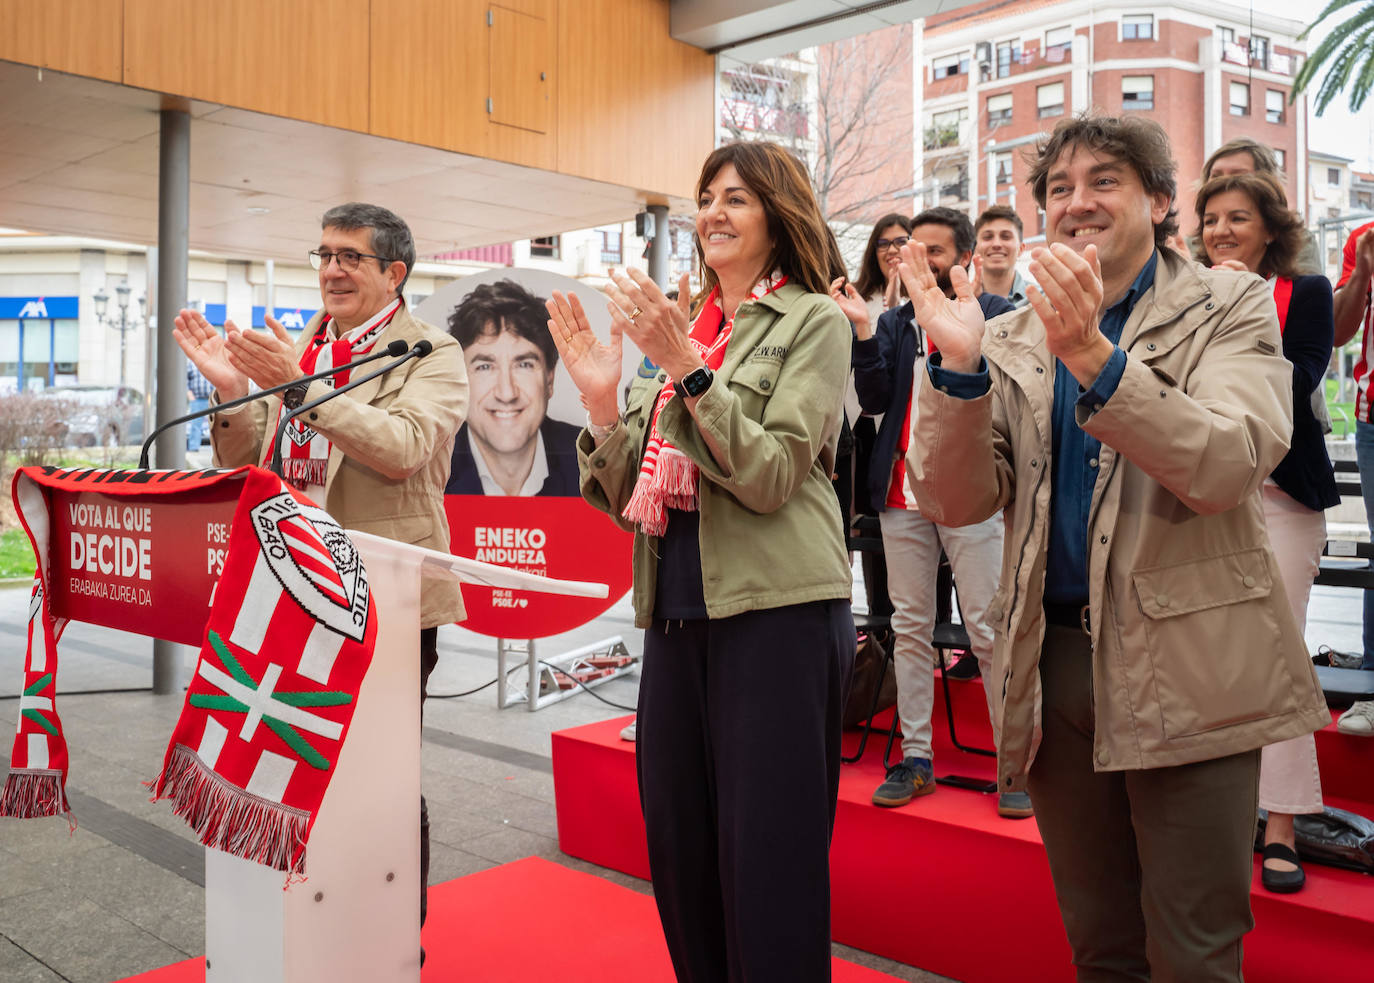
[377, 458]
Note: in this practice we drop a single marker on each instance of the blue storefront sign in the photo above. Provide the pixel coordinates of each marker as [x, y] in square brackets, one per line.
[25, 308]
[291, 318]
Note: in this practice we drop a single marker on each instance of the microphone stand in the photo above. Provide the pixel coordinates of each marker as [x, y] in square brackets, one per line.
[422, 348]
[393, 350]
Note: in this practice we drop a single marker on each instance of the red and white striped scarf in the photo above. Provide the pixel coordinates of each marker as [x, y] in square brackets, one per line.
[305, 462]
[667, 477]
[287, 644]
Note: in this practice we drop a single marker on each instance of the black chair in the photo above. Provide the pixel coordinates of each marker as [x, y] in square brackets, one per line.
[865, 536]
[948, 635]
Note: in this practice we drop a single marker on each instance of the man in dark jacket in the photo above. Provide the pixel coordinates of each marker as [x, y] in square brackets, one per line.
[887, 364]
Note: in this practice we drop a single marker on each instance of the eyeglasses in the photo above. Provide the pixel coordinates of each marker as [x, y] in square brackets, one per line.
[896, 243]
[348, 259]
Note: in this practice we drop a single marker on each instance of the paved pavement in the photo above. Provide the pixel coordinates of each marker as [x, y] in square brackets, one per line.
[123, 893]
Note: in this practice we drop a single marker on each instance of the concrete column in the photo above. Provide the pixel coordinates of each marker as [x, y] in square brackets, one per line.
[173, 238]
[660, 247]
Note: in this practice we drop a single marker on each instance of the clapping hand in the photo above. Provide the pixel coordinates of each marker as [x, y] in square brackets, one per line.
[230, 362]
[954, 325]
[208, 351]
[658, 326]
[977, 281]
[1069, 304]
[892, 293]
[853, 306]
[594, 366]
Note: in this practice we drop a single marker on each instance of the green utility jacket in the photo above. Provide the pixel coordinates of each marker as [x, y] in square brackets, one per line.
[771, 530]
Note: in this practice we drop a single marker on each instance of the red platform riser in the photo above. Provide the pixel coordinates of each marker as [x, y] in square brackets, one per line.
[947, 885]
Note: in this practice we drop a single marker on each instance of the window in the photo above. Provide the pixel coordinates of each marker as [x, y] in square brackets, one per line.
[1008, 54]
[1002, 165]
[944, 128]
[1259, 51]
[1227, 35]
[545, 247]
[949, 65]
[1278, 157]
[1058, 42]
[1049, 99]
[682, 231]
[610, 246]
[999, 109]
[1137, 27]
[1137, 92]
[1333, 176]
[953, 184]
[1273, 106]
[1240, 99]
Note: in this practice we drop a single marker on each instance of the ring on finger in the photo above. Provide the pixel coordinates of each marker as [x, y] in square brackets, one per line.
[634, 313]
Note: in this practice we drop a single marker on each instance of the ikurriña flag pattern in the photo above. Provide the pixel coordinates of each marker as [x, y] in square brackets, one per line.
[286, 647]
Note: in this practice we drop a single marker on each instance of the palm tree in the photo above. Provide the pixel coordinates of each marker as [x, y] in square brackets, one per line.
[1349, 49]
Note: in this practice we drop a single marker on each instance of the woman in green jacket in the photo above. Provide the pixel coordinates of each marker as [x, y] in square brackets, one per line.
[721, 465]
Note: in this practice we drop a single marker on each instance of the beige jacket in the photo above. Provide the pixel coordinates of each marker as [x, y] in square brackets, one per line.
[1195, 652]
[392, 444]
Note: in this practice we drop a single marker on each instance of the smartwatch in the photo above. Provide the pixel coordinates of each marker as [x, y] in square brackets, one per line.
[292, 398]
[694, 383]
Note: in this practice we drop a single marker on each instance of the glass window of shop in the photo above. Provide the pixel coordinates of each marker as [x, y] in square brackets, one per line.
[38, 352]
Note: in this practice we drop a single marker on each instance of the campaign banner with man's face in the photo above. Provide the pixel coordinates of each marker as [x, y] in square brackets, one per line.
[513, 495]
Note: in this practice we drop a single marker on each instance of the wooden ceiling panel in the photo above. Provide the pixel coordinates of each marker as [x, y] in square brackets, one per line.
[259, 183]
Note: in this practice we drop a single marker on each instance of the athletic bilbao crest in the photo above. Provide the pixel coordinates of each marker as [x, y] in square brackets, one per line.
[315, 562]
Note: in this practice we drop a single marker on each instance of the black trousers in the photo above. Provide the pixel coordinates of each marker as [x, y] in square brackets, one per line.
[429, 658]
[739, 762]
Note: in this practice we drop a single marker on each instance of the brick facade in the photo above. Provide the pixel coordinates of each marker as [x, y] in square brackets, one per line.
[1185, 57]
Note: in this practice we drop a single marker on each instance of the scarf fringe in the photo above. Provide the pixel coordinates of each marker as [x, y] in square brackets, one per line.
[645, 508]
[303, 471]
[671, 482]
[230, 819]
[33, 794]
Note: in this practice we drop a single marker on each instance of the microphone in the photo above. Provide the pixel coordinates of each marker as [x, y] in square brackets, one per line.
[421, 348]
[392, 350]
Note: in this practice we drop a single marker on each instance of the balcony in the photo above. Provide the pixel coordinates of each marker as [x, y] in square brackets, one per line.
[957, 191]
[751, 117]
[500, 255]
[940, 136]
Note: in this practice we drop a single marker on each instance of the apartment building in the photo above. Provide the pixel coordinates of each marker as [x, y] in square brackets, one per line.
[998, 75]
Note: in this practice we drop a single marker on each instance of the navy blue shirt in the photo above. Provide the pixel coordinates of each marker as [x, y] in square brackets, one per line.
[1075, 452]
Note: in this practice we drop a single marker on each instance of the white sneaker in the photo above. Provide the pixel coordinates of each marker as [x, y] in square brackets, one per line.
[627, 733]
[1358, 720]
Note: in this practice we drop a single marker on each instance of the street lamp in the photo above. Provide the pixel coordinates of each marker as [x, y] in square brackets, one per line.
[102, 303]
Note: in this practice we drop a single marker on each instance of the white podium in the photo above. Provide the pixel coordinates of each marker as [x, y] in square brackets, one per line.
[357, 914]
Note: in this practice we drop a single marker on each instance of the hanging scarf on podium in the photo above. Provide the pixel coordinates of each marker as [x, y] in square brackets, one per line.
[288, 641]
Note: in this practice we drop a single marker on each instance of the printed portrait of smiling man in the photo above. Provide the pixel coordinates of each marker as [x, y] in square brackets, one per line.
[509, 446]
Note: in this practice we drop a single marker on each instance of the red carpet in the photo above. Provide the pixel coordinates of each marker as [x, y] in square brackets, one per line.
[533, 921]
[947, 885]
